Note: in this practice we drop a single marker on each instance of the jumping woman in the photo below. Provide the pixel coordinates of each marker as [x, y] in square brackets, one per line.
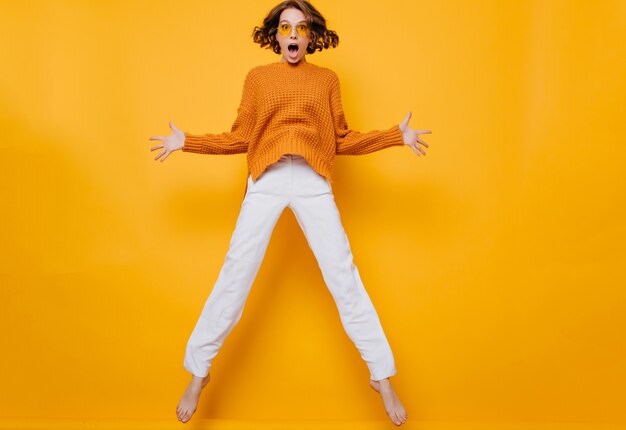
[291, 124]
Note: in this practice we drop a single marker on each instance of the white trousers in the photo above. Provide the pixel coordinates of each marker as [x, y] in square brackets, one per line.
[290, 182]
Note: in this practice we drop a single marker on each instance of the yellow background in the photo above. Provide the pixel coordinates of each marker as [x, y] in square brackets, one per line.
[496, 262]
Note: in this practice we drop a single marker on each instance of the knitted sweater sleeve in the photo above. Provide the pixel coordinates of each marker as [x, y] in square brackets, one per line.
[352, 142]
[235, 141]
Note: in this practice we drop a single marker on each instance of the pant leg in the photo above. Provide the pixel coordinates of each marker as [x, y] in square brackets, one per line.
[319, 219]
[224, 306]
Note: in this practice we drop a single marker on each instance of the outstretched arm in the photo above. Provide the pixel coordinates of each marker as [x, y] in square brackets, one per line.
[352, 142]
[234, 142]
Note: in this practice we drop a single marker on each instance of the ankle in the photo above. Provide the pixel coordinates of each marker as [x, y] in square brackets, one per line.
[199, 381]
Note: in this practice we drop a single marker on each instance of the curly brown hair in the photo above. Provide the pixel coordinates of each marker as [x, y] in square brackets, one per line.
[321, 37]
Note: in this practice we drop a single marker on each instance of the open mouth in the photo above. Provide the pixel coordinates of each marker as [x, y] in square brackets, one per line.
[293, 48]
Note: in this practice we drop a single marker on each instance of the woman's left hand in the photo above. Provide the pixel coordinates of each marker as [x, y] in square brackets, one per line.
[411, 137]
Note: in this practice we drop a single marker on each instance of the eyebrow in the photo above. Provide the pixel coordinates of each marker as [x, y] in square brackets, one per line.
[299, 22]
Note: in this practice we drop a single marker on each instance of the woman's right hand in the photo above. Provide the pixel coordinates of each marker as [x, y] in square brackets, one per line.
[171, 143]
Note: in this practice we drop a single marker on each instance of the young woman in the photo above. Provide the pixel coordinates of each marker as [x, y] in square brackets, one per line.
[291, 124]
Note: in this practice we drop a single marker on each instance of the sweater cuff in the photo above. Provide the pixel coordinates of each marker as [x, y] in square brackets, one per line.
[394, 136]
[193, 143]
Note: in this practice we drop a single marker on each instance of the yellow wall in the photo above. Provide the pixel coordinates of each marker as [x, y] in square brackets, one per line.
[495, 262]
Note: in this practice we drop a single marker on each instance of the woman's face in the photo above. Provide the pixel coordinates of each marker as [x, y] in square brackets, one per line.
[296, 34]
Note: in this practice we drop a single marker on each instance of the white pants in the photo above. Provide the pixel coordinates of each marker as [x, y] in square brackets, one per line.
[290, 182]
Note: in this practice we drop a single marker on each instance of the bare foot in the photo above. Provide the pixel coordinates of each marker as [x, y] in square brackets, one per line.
[187, 405]
[393, 405]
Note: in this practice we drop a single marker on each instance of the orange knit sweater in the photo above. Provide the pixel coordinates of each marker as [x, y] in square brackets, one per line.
[292, 109]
